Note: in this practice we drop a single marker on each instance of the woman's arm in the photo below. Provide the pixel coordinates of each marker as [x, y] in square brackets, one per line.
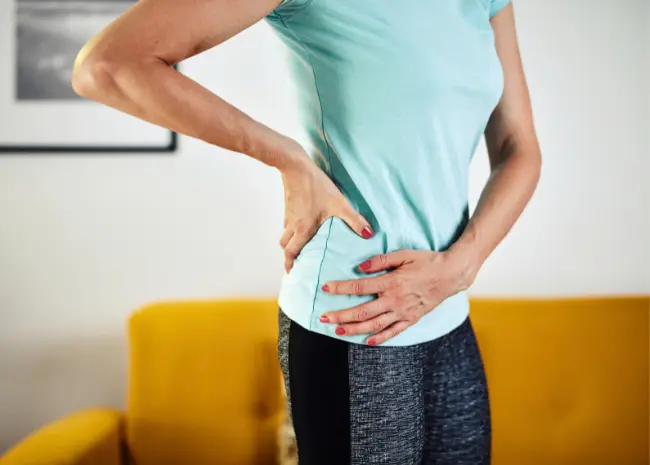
[129, 66]
[514, 152]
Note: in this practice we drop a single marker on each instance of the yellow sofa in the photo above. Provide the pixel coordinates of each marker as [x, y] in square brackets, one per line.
[568, 384]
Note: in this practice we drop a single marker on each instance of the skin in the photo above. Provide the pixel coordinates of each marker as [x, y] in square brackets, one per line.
[128, 66]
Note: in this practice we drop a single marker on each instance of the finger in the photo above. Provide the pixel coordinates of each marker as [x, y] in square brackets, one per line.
[288, 263]
[284, 240]
[358, 313]
[385, 261]
[357, 222]
[372, 325]
[286, 236]
[295, 245]
[388, 333]
[374, 285]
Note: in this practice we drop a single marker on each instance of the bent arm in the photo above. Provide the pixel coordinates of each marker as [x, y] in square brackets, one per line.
[129, 66]
[514, 153]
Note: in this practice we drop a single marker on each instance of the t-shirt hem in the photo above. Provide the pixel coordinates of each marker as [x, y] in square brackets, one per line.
[430, 327]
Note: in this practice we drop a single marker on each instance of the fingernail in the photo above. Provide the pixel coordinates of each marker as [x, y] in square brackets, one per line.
[365, 265]
[366, 232]
[371, 341]
[326, 288]
[324, 319]
[340, 330]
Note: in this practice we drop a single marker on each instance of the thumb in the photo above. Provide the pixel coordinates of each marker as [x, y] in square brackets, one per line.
[358, 223]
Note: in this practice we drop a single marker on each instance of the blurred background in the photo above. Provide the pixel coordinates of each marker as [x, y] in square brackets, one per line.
[85, 239]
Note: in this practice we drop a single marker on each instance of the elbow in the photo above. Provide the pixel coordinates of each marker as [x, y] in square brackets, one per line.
[93, 77]
[536, 162]
[526, 149]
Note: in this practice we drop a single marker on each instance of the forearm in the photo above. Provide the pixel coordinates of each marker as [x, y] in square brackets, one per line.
[155, 92]
[503, 199]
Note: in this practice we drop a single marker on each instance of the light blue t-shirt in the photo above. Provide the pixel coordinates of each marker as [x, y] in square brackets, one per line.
[394, 97]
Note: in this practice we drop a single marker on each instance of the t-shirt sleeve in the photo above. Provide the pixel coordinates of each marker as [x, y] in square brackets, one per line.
[497, 5]
[287, 8]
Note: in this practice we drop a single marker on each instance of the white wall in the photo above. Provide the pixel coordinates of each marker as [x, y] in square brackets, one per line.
[84, 240]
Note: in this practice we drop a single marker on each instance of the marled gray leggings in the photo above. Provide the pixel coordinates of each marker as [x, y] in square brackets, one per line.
[352, 404]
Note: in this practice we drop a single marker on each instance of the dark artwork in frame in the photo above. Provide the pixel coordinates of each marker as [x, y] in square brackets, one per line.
[39, 111]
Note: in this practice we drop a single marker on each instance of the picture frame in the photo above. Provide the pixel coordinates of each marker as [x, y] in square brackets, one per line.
[39, 111]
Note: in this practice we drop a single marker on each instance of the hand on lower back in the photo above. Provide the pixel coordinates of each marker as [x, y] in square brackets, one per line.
[310, 198]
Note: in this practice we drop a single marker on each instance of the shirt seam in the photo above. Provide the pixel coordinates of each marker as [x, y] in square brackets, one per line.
[282, 17]
[320, 269]
[327, 145]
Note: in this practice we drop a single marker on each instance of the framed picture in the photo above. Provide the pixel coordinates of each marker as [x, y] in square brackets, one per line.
[39, 111]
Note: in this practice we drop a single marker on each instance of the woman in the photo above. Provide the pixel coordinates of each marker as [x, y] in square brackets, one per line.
[379, 357]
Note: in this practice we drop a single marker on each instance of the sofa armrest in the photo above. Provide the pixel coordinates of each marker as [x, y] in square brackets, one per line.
[89, 437]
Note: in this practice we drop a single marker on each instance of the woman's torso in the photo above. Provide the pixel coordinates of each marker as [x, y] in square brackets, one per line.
[394, 97]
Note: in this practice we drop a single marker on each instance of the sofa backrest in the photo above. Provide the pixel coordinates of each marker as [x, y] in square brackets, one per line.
[568, 379]
[205, 386]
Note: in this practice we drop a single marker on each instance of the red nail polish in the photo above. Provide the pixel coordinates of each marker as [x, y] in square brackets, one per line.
[366, 232]
[340, 330]
[324, 319]
[326, 288]
[371, 342]
[365, 265]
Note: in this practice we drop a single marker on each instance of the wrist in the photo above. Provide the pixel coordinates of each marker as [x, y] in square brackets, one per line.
[274, 149]
[467, 258]
[289, 157]
[293, 159]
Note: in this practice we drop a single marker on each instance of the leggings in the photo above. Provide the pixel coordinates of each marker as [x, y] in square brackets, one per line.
[353, 404]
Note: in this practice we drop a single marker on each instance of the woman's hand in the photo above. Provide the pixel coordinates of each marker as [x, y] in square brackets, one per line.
[420, 281]
[310, 198]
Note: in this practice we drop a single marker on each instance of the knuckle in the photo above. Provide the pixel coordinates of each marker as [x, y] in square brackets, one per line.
[362, 314]
[300, 226]
[357, 286]
[377, 324]
[396, 329]
[398, 282]
[383, 258]
[354, 329]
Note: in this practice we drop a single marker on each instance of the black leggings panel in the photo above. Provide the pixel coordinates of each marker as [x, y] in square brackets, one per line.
[353, 404]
